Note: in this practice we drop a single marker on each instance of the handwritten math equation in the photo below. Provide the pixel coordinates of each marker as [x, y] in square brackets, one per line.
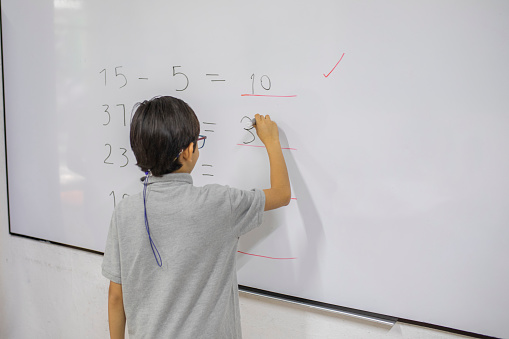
[259, 85]
[115, 114]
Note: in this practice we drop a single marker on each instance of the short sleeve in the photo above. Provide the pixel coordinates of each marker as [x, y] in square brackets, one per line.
[111, 261]
[247, 209]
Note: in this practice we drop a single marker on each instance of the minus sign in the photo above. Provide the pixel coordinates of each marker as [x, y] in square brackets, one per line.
[142, 78]
[213, 74]
[209, 130]
[209, 123]
[217, 80]
[207, 165]
[208, 175]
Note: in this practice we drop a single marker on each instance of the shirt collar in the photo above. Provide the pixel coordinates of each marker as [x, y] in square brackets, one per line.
[173, 178]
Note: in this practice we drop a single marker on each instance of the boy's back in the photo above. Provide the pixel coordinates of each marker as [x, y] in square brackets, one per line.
[170, 253]
[195, 229]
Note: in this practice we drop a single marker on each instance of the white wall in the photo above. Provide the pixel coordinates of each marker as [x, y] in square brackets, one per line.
[50, 291]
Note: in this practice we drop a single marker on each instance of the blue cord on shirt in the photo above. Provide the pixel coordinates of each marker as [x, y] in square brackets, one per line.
[152, 245]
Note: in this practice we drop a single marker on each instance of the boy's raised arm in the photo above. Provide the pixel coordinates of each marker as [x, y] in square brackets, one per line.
[279, 193]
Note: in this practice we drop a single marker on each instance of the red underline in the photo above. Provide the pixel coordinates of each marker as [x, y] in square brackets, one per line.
[268, 96]
[262, 256]
[293, 149]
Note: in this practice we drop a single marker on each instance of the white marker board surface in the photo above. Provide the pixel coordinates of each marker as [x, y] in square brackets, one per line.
[394, 117]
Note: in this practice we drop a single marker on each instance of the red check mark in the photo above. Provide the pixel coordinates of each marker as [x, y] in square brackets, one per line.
[334, 66]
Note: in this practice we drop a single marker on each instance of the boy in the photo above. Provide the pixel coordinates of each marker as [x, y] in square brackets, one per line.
[170, 253]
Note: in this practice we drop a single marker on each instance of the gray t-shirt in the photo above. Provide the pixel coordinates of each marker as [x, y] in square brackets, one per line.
[195, 229]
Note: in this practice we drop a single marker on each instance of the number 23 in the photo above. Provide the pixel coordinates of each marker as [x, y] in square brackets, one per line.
[109, 155]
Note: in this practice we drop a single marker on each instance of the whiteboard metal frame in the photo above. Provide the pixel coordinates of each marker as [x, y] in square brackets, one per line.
[369, 316]
[377, 318]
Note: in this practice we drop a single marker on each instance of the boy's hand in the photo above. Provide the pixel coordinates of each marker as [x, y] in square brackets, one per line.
[266, 129]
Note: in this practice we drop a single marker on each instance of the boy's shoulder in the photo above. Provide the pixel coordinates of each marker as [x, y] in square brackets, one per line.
[214, 187]
[225, 189]
[212, 191]
[229, 194]
[129, 199]
[128, 203]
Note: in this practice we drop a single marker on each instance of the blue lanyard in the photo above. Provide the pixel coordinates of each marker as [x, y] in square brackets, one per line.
[152, 245]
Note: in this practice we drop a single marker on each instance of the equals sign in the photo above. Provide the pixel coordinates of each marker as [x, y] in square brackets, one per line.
[214, 75]
[209, 123]
[207, 174]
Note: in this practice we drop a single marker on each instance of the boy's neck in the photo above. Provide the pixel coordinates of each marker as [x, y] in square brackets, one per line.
[184, 169]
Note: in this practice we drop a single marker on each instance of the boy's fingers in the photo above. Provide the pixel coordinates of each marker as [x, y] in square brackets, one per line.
[262, 118]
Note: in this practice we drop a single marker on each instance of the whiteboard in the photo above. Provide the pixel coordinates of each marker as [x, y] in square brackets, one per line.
[394, 119]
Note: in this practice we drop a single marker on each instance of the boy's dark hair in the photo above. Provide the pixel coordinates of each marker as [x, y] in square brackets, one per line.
[160, 129]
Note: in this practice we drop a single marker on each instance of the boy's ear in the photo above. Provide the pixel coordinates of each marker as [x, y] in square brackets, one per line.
[188, 152]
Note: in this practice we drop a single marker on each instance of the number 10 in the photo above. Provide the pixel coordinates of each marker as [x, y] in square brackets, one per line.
[264, 82]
